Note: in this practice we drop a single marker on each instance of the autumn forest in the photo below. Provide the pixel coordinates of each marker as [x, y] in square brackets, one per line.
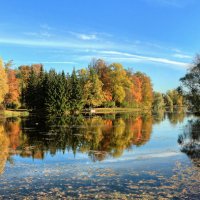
[98, 86]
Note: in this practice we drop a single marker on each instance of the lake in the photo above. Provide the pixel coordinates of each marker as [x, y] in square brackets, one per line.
[113, 156]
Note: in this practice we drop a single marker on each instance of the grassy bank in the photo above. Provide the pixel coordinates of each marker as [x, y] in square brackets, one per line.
[24, 112]
[15, 113]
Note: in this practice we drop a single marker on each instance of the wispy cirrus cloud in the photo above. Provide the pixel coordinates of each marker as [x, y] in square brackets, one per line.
[129, 56]
[44, 31]
[51, 43]
[83, 36]
[41, 34]
[48, 62]
[106, 50]
[182, 56]
[144, 156]
[57, 62]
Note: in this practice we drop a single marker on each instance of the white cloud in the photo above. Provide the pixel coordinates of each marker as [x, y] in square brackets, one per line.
[47, 62]
[83, 36]
[177, 55]
[57, 62]
[41, 34]
[145, 156]
[129, 56]
[105, 50]
[87, 37]
[52, 43]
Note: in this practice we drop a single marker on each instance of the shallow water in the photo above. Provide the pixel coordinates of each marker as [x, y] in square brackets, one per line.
[129, 156]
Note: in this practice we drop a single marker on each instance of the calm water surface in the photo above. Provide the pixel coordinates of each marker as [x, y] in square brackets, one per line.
[123, 156]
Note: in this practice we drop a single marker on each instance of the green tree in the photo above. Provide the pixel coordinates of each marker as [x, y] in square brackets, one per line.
[31, 91]
[191, 81]
[23, 75]
[41, 89]
[56, 101]
[75, 93]
[158, 103]
[51, 92]
[176, 98]
[168, 102]
[63, 93]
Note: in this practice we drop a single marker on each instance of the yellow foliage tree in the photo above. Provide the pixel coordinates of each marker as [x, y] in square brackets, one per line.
[3, 82]
[120, 82]
[4, 148]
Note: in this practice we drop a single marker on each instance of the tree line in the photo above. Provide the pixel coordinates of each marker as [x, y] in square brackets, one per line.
[170, 101]
[98, 85]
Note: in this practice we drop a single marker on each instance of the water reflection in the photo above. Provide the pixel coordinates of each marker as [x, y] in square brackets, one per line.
[176, 117]
[99, 137]
[4, 148]
[173, 117]
[159, 116]
[190, 141]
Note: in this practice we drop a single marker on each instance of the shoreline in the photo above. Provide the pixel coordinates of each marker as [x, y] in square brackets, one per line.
[26, 113]
[115, 110]
[15, 113]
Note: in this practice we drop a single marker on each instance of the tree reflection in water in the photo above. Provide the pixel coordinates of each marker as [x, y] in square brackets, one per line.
[190, 141]
[176, 117]
[98, 136]
[4, 148]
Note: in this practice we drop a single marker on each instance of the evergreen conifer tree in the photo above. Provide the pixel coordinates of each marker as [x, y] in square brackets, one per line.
[51, 92]
[56, 101]
[75, 93]
[31, 90]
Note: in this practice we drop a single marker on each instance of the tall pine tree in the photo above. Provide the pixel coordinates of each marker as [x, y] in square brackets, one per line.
[56, 101]
[75, 93]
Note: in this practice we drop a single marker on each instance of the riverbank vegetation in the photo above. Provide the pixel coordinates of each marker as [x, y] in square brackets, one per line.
[191, 86]
[99, 86]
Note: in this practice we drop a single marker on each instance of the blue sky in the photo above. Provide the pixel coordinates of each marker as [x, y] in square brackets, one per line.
[158, 37]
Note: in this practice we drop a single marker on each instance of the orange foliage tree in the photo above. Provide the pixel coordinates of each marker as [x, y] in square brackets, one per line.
[146, 89]
[12, 97]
